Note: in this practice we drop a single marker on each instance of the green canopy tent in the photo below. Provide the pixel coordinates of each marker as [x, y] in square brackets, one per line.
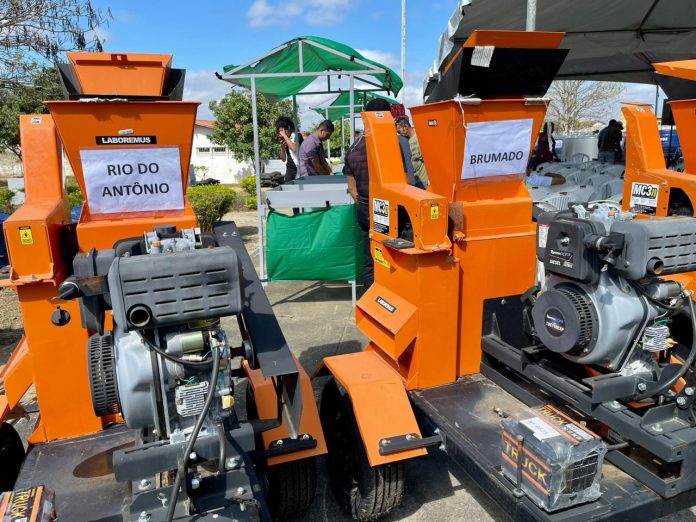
[291, 67]
[340, 107]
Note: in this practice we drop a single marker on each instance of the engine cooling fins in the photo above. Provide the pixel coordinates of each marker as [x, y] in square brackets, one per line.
[102, 375]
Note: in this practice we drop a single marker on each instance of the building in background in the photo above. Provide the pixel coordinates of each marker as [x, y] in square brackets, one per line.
[209, 160]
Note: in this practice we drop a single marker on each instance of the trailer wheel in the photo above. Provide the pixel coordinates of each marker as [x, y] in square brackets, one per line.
[11, 456]
[366, 492]
[291, 486]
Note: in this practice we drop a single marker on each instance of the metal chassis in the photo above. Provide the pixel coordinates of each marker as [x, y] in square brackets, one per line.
[462, 414]
[80, 470]
[663, 431]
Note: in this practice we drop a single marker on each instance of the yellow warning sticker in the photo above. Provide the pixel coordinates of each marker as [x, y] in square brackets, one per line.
[434, 211]
[25, 236]
[379, 258]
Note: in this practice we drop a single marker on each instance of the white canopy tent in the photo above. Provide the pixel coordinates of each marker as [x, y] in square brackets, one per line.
[608, 40]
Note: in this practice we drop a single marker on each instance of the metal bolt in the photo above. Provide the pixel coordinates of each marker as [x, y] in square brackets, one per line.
[232, 463]
[657, 427]
[239, 491]
[144, 517]
[615, 404]
[688, 391]
[681, 401]
[642, 386]
[279, 442]
[410, 436]
[305, 436]
[144, 484]
[503, 301]
[384, 442]
[193, 456]
[195, 482]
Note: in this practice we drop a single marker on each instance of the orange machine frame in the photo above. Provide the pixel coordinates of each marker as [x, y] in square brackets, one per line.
[473, 239]
[42, 240]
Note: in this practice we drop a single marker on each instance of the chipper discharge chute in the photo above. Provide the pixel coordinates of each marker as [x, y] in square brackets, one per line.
[526, 348]
[138, 326]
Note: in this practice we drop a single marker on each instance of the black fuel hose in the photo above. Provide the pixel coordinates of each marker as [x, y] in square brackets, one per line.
[194, 435]
[685, 366]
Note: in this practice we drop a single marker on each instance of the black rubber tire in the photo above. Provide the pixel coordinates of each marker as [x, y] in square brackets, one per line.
[11, 456]
[290, 486]
[365, 492]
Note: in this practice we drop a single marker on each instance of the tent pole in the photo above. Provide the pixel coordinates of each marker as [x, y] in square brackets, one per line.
[257, 168]
[531, 15]
[343, 138]
[295, 116]
[403, 48]
[352, 112]
[329, 140]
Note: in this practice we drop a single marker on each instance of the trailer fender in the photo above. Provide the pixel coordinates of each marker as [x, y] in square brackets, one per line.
[382, 409]
[266, 406]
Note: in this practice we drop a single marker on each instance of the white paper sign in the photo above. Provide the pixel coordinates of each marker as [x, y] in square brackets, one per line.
[482, 55]
[496, 148]
[132, 180]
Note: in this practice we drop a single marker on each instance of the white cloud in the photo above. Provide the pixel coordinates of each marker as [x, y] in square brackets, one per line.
[263, 13]
[204, 87]
[382, 57]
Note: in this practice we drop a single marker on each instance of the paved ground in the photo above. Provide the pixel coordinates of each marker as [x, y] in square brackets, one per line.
[318, 320]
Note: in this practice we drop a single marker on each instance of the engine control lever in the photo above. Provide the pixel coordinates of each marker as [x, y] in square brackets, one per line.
[69, 289]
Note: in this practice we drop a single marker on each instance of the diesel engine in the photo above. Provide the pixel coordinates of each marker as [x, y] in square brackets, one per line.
[606, 301]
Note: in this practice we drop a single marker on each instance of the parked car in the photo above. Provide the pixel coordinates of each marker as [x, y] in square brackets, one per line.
[671, 149]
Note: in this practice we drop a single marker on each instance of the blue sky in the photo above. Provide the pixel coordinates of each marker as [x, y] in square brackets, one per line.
[205, 35]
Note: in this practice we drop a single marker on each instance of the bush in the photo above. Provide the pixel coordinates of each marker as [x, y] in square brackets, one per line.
[249, 185]
[251, 203]
[6, 205]
[210, 203]
[73, 192]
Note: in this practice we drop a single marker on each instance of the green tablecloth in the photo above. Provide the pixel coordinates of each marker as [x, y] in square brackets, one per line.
[323, 245]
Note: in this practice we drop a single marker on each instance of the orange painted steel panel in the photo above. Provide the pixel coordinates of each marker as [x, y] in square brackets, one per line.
[121, 74]
[380, 403]
[685, 69]
[35, 241]
[515, 39]
[645, 161]
[37, 134]
[79, 124]
[59, 364]
[267, 407]
[4, 408]
[388, 319]
[16, 375]
[684, 112]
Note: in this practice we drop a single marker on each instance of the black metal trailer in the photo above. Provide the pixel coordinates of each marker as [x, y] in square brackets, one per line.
[467, 417]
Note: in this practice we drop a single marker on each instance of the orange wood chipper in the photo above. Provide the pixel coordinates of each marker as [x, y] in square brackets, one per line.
[551, 358]
[124, 344]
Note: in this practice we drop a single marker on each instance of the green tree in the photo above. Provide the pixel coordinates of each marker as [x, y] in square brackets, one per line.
[336, 138]
[25, 99]
[234, 124]
[40, 31]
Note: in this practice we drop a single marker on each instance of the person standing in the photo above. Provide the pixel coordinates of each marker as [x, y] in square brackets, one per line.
[610, 146]
[358, 178]
[289, 146]
[312, 158]
[404, 128]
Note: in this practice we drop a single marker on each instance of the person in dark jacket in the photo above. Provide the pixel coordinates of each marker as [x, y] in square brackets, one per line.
[358, 177]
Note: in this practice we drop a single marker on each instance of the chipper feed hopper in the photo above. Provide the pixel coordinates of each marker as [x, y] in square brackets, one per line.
[138, 325]
[527, 349]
